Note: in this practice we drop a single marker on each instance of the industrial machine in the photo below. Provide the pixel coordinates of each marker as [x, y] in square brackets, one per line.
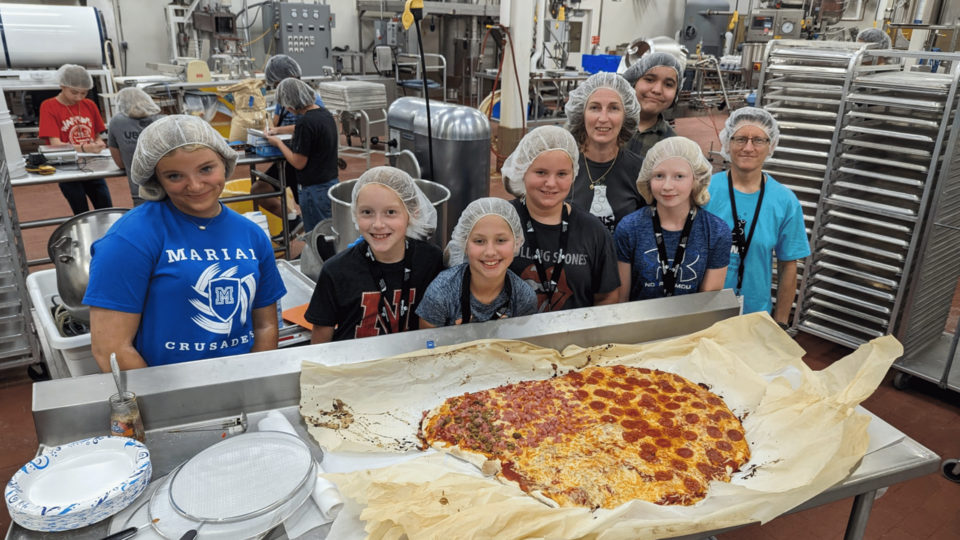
[704, 24]
[766, 24]
[302, 32]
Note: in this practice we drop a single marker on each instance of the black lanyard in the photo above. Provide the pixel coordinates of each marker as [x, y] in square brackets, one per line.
[743, 244]
[403, 309]
[549, 285]
[466, 313]
[668, 271]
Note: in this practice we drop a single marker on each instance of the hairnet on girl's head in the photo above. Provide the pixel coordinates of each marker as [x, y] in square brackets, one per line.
[295, 94]
[474, 212]
[172, 132]
[543, 139]
[577, 104]
[136, 103]
[682, 148]
[280, 67]
[875, 35]
[650, 61]
[749, 116]
[422, 215]
[74, 76]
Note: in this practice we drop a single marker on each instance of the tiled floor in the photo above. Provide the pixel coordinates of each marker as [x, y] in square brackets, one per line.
[922, 509]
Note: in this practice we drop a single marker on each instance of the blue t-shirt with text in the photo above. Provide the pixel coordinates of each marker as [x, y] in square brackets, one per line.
[708, 248]
[195, 289]
[780, 233]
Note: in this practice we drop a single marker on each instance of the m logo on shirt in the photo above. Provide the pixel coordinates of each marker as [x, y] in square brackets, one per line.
[373, 320]
[221, 296]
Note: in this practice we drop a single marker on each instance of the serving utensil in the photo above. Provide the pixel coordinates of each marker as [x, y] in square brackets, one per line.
[129, 533]
[115, 368]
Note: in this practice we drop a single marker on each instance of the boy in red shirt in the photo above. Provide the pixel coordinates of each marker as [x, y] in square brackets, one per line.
[70, 118]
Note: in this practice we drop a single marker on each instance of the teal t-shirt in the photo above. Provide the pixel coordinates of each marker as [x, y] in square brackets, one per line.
[780, 233]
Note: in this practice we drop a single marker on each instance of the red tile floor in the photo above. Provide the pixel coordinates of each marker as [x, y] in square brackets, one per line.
[921, 509]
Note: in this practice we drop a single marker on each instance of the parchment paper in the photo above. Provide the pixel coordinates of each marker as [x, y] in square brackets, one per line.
[804, 435]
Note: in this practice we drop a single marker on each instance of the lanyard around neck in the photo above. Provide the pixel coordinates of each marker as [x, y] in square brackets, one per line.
[743, 244]
[549, 284]
[668, 271]
[466, 313]
[403, 308]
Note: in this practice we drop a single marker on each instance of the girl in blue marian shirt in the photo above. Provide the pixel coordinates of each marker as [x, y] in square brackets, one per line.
[182, 277]
[673, 246]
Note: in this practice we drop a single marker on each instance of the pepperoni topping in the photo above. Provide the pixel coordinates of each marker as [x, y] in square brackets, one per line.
[673, 432]
[631, 436]
[608, 419]
[667, 387]
[663, 398]
[664, 443]
[732, 464]
[629, 396]
[715, 456]
[663, 476]
[734, 435]
[633, 381]
[668, 414]
[690, 435]
[599, 406]
[725, 446]
[665, 422]
[644, 383]
[631, 424]
[578, 383]
[650, 406]
[606, 394]
[722, 415]
[709, 471]
[681, 399]
[692, 485]
[615, 411]
[712, 431]
[714, 401]
[575, 375]
[678, 465]
[691, 418]
[612, 384]
[688, 390]
[635, 413]
[648, 456]
[620, 370]
[581, 394]
[593, 380]
[644, 370]
[672, 406]
[647, 447]
[698, 405]
[621, 401]
[598, 374]
[685, 453]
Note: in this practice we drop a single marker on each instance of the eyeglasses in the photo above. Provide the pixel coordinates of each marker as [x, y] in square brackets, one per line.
[757, 141]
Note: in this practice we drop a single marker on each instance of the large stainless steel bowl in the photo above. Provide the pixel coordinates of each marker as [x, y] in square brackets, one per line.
[69, 249]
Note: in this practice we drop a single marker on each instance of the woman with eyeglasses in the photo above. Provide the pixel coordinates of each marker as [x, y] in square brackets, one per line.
[765, 216]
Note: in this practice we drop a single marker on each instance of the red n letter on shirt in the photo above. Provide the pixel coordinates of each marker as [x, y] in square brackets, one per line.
[372, 322]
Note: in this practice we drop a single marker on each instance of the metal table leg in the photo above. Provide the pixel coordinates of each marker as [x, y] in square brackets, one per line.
[282, 169]
[859, 515]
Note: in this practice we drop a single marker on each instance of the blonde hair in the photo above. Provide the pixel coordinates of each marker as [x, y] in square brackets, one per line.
[682, 148]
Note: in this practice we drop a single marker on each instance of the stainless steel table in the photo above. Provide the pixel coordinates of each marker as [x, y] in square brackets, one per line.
[70, 409]
[102, 167]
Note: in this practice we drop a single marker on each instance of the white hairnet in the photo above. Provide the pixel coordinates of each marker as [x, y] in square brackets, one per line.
[543, 139]
[423, 216]
[295, 94]
[685, 149]
[136, 103]
[74, 76]
[281, 67]
[487, 206]
[875, 35]
[650, 61]
[749, 116]
[166, 135]
[581, 95]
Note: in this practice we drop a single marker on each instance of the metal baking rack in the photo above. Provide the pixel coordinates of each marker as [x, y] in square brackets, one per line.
[887, 229]
[802, 85]
[18, 340]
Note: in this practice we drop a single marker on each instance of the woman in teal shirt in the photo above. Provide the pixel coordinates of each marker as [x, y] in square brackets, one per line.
[769, 218]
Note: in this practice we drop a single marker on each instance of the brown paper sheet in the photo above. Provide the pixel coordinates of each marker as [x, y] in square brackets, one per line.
[802, 440]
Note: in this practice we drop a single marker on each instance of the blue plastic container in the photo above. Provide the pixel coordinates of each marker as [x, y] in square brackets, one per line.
[595, 63]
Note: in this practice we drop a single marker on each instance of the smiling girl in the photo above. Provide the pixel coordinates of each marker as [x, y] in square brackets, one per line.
[479, 285]
[673, 246]
[374, 287]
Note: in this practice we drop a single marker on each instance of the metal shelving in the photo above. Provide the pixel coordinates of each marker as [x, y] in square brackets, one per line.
[18, 340]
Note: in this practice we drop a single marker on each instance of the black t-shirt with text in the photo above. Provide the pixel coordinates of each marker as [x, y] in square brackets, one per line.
[347, 297]
[315, 136]
[616, 196]
[590, 267]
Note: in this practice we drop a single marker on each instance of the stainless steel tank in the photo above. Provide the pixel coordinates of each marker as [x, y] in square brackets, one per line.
[69, 249]
[461, 149]
[343, 231]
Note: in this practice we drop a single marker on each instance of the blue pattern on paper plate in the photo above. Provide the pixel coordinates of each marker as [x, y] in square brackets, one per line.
[80, 513]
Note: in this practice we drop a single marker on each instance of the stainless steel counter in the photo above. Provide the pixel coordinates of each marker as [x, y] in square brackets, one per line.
[170, 396]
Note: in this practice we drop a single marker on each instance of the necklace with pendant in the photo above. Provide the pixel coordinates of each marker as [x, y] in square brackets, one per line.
[199, 226]
[598, 181]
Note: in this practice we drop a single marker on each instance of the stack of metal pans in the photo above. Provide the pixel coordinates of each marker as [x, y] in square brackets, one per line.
[353, 95]
[894, 155]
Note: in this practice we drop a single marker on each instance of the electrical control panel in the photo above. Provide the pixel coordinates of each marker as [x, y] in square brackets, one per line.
[766, 24]
[302, 32]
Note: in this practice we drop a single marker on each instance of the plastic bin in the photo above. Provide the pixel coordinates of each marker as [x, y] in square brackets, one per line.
[235, 188]
[595, 63]
[76, 350]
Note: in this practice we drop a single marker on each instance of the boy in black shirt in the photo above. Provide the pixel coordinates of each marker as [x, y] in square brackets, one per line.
[312, 151]
[374, 287]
